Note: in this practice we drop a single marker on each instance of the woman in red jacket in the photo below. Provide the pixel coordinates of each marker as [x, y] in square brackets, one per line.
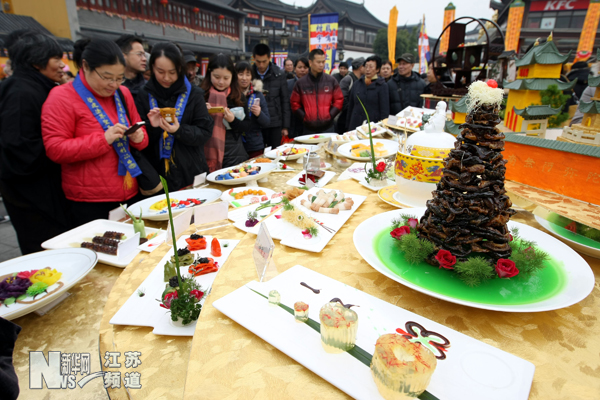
[83, 126]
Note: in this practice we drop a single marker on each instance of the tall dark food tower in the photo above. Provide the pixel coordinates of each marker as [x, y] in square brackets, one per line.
[470, 209]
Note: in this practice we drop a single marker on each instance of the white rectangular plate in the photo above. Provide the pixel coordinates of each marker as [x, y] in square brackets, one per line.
[146, 310]
[85, 233]
[472, 369]
[322, 182]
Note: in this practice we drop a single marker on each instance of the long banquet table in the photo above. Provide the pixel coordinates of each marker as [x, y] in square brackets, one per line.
[225, 361]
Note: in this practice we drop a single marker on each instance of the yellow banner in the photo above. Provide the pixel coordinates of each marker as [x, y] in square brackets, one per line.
[392, 31]
[513, 28]
[588, 33]
[449, 13]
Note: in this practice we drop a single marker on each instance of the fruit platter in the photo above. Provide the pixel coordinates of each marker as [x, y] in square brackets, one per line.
[155, 208]
[241, 174]
[243, 196]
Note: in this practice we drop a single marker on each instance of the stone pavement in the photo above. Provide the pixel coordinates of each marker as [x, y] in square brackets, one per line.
[9, 247]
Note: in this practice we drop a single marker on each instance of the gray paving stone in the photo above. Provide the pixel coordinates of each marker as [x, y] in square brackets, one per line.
[10, 254]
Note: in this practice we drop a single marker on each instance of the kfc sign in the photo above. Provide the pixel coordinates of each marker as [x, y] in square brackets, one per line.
[559, 5]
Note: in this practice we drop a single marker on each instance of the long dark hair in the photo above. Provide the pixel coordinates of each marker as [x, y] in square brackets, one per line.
[97, 52]
[222, 61]
[33, 49]
[172, 52]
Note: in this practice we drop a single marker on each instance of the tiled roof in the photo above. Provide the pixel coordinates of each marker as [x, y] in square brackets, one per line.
[546, 53]
[277, 6]
[592, 107]
[13, 22]
[459, 106]
[536, 112]
[538, 84]
[356, 12]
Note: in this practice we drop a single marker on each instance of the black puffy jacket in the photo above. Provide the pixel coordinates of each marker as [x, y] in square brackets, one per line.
[188, 149]
[275, 90]
[405, 91]
[374, 97]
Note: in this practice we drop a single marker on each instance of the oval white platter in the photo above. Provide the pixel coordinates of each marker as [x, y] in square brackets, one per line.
[209, 195]
[390, 145]
[265, 170]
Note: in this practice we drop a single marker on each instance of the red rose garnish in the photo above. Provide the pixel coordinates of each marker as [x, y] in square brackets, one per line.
[511, 237]
[167, 300]
[197, 294]
[492, 83]
[399, 232]
[413, 222]
[446, 259]
[284, 166]
[572, 227]
[506, 268]
[380, 167]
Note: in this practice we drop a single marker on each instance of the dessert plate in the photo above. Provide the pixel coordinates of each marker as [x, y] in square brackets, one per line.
[317, 138]
[248, 199]
[566, 280]
[209, 195]
[275, 152]
[146, 311]
[471, 370]
[266, 169]
[295, 181]
[390, 146]
[74, 264]
[580, 243]
[85, 233]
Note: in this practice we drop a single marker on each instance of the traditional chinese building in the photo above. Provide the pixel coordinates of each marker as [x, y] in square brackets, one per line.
[536, 71]
[285, 27]
[541, 17]
[203, 26]
[535, 119]
[588, 131]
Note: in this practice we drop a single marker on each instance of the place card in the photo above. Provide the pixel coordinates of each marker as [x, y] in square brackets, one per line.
[263, 255]
[117, 214]
[128, 246]
[199, 179]
[268, 149]
[180, 224]
[210, 213]
[392, 120]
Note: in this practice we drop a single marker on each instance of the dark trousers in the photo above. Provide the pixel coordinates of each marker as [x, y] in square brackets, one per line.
[272, 137]
[84, 212]
[37, 212]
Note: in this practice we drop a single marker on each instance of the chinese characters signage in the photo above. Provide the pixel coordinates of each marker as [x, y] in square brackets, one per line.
[323, 35]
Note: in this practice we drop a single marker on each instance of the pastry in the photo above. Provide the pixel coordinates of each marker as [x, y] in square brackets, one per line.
[339, 326]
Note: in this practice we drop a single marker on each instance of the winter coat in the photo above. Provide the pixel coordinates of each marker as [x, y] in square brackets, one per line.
[345, 85]
[194, 131]
[74, 138]
[296, 126]
[275, 90]
[134, 85]
[374, 97]
[24, 164]
[234, 147]
[252, 138]
[405, 91]
[317, 100]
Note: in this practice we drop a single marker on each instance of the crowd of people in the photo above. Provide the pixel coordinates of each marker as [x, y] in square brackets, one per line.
[74, 147]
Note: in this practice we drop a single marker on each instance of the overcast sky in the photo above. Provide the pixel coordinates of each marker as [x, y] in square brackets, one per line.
[411, 12]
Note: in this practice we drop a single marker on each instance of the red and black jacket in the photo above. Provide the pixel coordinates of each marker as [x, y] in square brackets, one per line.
[316, 101]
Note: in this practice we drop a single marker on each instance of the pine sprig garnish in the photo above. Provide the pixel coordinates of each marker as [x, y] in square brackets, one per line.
[287, 206]
[415, 250]
[313, 231]
[474, 271]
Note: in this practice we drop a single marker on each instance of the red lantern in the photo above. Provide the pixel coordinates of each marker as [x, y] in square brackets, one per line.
[221, 16]
[196, 10]
[164, 2]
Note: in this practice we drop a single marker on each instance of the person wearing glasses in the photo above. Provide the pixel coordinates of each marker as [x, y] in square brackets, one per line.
[83, 127]
[135, 62]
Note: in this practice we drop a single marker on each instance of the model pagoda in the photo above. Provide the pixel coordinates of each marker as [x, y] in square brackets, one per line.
[539, 68]
[470, 209]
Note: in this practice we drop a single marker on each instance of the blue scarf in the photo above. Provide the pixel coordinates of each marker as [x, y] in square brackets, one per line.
[127, 163]
[166, 145]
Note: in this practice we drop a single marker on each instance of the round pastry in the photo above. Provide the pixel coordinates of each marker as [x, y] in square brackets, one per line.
[339, 326]
[401, 369]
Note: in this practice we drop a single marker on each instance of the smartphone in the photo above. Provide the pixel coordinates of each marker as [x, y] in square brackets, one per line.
[216, 110]
[256, 102]
[134, 128]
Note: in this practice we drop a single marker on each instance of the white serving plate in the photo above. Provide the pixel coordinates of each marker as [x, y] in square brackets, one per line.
[209, 194]
[472, 370]
[247, 200]
[239, 217]
[146, 310]
[582, 248]
[363, 130]
[309, 139]
[390, 145]
[273, 154]
[85, 233]
[580, 278]
[265, 170]
[322, 182]
[74, 264]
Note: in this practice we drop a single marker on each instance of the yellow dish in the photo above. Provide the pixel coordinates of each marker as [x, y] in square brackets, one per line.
[359, 148]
